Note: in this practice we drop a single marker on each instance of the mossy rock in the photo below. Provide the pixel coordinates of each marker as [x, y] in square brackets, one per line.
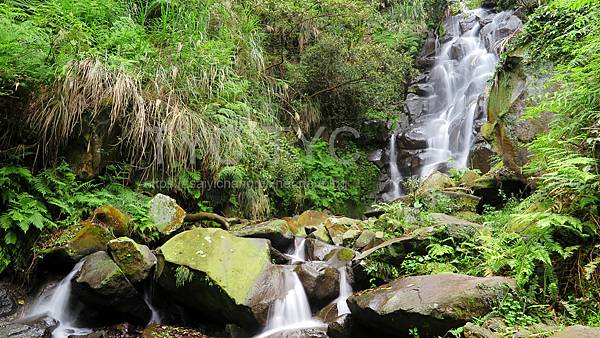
[277, 231]
[227, 278]
[135, 260]
[338, 226]
[434, 304]
[113, 219]
[102, 284]
[75, 242]
[166, 214]
[435, 181]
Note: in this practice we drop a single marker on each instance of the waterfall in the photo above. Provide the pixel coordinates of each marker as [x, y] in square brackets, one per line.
[292, 312]
[462, 68]
[446, 103]
[345, 292]
[56, 303]
[298, 254]
[395, 176]
[148, 296]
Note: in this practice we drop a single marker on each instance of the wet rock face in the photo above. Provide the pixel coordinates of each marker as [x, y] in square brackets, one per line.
[578, 331]
[320, 280]
[101, 283]
[434, 303]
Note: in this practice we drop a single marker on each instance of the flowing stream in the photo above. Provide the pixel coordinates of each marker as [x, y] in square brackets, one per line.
[345, 292]
[56, 303]
[292, 312]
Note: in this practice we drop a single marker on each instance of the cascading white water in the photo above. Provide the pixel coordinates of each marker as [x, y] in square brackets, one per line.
[292, 312]
[462, 68]
[56, 303]
[345, 292]
[148, 293]
[395, 176]
[299, 252]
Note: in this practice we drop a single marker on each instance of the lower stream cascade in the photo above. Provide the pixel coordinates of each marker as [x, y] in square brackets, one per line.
[56, 303]
[446, 104]
[292, 312]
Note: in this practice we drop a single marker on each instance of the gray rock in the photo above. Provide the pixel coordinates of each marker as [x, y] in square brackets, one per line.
[434, 304]
[102, 284]
[277, 231]
[135, 260]
[166, 214]
[578, 331]
[320, 280]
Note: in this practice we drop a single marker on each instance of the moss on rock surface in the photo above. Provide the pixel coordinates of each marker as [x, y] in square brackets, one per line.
[228, 274]
[76, 242]
[135, 260]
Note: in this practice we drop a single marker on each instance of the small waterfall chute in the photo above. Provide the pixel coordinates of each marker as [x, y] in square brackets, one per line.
[56, 303]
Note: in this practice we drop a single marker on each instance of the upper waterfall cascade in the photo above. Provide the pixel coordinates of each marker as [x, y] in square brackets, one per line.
[446, 104]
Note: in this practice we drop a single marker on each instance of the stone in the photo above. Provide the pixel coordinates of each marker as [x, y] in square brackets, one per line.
[102, 284]
[75, 242]
[277, 231]
[320, 280]
[578, 331]
[376, 157]
[457, 228]
[312, 224]
[350, 236]
[480, 157]
[226, 278]
[162, 331]
[11, 324]
[413, 139]
[433, 304]
[469, 179]
[135, 260]
[166, 214]
[366, 238]
[319, 251]
[337, 226]
[340, 326]
[113, 219]
[435, 181]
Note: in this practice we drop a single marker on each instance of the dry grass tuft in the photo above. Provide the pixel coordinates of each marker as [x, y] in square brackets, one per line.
[157, 128]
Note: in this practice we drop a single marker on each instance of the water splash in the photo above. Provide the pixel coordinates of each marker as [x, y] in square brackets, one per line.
[56, 303]
[345, 292]
[156, 318]
[298, 254]
[292, 312]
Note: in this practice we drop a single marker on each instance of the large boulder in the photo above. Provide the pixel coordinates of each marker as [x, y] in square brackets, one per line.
[75, 242]
[455, 227]
[320, 280]
[101, 283]
[166, 214]
[226, 278]
[435, 181]
[135, 260]
[340, 326]
[312, 224]
[434, 304]
[277, 231]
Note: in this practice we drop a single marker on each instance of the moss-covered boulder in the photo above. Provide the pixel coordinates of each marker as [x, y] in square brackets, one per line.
[75, 242]
[135, 260]
[312, 224]
[317, 250]
[455, 227]
[277, 231]
[578, 331]
[166, 214]
[102, 284]
[433, 304]
[113, 219]
[228, 279]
